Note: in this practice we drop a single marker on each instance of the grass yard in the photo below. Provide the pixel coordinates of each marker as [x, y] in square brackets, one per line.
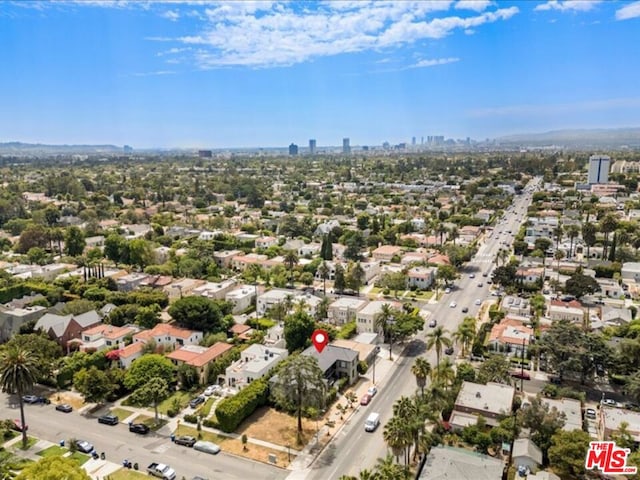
[126, 474]
[205, 409]
[121, 413]
[183, 398]
[192, 431]
[277, 427]
[79, 458]
[31, 441]
[53, 450]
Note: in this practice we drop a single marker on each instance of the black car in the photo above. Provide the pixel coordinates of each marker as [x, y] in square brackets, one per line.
[64, 407]
[465, 309]
[108, 419]
[196, 401]
[185, 440]
[140, 428]
[449, 351]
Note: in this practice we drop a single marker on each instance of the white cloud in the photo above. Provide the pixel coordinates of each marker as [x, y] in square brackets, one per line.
[152, 74]
[434, 62]
[268, 34]
[568, 5]
[171, 15]
[475, 5]
[631, 10]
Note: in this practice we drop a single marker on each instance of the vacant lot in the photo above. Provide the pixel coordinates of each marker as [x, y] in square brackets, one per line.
[276, 427]
[72, 398]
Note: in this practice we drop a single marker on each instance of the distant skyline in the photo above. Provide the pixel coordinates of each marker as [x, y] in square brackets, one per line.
[202, 74]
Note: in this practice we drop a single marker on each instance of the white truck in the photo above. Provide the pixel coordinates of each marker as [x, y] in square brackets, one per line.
[161, 470]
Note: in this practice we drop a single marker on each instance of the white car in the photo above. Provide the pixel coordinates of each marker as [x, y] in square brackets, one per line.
[478, 301]
[453, 304]
[372, 391]
[211, 389]
[207, 447]
[447, 290]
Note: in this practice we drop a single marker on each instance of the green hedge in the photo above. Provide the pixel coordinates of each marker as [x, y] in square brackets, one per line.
[230, 412]
[348, 330]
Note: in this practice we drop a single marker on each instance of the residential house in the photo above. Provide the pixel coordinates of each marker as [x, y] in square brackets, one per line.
[421, 277]
[510, 336]
[241, 297]
[266, 242]
[136, 230]
[182, 288]
[129, 353]
[254, 363]
[492, 401]
[309, 249]
[366, 351]
[386, 252]
[199, 357]
[105, 336]
[215, 290]
[611, 420]
[484, 214]
[156, 281]
[413, 257]
[325, 227]
[161, 254]
[130, 282]
[514, 305]
[452, 463]
[65, 328]
[207, 236]
[275, 337]
[366, 317]
[12, 318]
[224, 258]
[612, 316]
[336, 362]
[468, 234]
[438, 259]
[570, 407]
[94, 242]
[529, 275]
[271, 298]
[240, 331]
[571, 311]
[241, 262]
[610, 288]
[371, 269]
[527, 454]
[344, 309]
[169, 336]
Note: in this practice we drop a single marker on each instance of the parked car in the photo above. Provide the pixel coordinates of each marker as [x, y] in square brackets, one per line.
[453, 304]
[64, 407]
[185, 440]
[372, 391]
[433, 322]
[478, 301]
[465, 309]
[140, 428]
[480, 284]
[108, 419]
[522, 375]
[196, 401]
[447, 290]
[448, 351]
[30, 399]
[366, 399]
[84, 446]
[211, 389]
[590, 413]
[609, 402]
[206, 447]
[17, 425]
[472, 275]
[555, 380]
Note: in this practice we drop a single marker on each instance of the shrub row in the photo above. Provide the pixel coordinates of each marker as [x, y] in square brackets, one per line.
[231, 411]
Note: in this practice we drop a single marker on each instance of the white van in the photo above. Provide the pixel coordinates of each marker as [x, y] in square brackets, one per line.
[372, 422]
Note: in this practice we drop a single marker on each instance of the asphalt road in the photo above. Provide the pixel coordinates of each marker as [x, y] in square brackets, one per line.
[354, 449]
[118, 443]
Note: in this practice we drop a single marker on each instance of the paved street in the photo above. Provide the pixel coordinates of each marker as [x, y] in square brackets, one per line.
[118, 443]
[354, 449]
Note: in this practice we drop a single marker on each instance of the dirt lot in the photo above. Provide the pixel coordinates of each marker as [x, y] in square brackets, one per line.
[276, 427]
[72, 398]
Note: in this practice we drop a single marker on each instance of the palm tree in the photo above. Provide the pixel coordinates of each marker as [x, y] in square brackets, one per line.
[397, 436]
[291, 260]
[572, 232]
[436, 339]
[557, 233]
[607, 225]
[589, 236]
[465, 334]
[384, 321]
[559, 255]
[445, 374]
[421, 369]
[386, 469]
[18, 367]
[323, 270]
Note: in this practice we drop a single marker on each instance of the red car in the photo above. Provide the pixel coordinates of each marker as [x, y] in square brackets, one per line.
[17, 425]
[523, 375]
[366, 399]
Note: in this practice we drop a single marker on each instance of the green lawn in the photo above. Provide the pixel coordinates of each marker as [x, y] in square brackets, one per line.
[192, 431]
[205, 409]
[183, 398]
[150, 421]
[121, 413]
[127, 474]
[79, 458]
[31, 441]
[53, 450]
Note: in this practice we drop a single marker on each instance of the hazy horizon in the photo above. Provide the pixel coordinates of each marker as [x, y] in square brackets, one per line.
[190, 74]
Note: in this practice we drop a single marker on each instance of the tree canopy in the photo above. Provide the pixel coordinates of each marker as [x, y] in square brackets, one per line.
[147, 367]
[54, 467]
[201, 313]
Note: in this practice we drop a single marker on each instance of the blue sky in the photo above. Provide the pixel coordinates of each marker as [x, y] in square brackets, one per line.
[247, 74]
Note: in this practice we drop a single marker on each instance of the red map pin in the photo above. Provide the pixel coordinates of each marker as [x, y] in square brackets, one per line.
[320, 338]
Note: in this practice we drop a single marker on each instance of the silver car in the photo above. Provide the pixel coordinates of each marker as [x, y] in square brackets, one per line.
[206, 447]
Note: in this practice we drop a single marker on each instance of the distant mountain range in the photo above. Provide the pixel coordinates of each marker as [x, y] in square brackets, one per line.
[19, 148]
[584, 138]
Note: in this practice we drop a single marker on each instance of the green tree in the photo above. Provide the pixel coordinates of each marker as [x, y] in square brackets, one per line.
[395, 281]
[580, 285]
[608, 224]
[298, 328]
[543, 423]
[290, 260]
[447, 273]
[147, 367]
[437, 339]
[326, 249]
[466, 334]
[48, 351]
[54, 467]
[74, 242]
[339, 281]
[115, 249]
[397, 436]
[568, 452]
[299, 385]
[323, 271]
[199, 313]
[355, 277]
[140, 252]
[589, 231]
[421, 369]
[155, 390]
[18, 367]
[32, 236]
[148, 317]
[495, 369]
[37, 255]
[387, 469]
[94, 384]
[504, 276]
[384, 322]
[187, 376]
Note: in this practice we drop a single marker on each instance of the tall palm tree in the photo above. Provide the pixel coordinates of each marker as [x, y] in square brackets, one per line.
[465, 334]
[18, 367]
[572, 232]
[436, 339]
[589, 231]
[421, 370]
[386, 469]
[557, 233]
[291, 260]
[607, 225]
[384, 322]
[445, 374]
[397, 436]
[559, 255]
[323, 270]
